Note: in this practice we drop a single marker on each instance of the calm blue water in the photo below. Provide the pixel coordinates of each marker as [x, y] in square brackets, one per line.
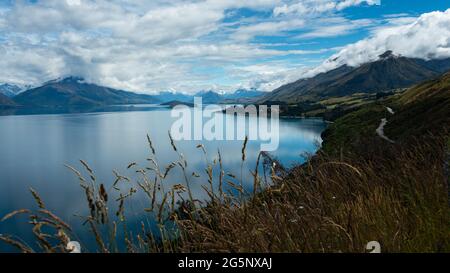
[34, 149]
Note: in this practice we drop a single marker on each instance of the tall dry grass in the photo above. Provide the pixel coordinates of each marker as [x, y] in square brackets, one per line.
[394, 194]
[398, 197]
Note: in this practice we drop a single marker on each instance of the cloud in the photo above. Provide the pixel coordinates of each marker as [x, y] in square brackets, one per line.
[314, 7]
[333, 27]
[156, 45]
[427, 37]
[267, 28]
[269, 76]
[135, 45]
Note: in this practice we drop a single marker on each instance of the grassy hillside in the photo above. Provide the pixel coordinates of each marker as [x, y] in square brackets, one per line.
[421, 110]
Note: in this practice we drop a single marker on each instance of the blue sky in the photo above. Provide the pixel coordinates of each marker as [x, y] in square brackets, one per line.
[192, 45]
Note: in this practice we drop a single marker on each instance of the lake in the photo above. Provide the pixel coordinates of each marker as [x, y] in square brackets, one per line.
[35, 148]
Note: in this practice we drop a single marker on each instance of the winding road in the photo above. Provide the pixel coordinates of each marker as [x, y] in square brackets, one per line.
[380, 129]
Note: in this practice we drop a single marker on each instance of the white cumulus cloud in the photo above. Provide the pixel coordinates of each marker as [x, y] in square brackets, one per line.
[425, 37]
[157, 45]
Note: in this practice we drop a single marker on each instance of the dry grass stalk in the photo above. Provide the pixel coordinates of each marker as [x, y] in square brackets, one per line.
[20, 246]
[37, 198]
[14, 213]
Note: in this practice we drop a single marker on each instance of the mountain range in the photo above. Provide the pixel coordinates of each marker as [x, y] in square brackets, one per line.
[173, 96]
[211, 97]
[243, 95]
[388, 73]
[10, 90]
[74, 91]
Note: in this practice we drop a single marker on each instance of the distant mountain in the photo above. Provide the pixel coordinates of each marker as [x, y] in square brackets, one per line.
[174, 103]
[9, 90]
[387, 73]
[164, 97]
[73, 91]
[244, 95]
[439, 65]
[239, 96]
[5, 101]
[209, 97]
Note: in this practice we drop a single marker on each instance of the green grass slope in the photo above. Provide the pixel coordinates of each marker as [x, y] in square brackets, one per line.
[423, 109]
